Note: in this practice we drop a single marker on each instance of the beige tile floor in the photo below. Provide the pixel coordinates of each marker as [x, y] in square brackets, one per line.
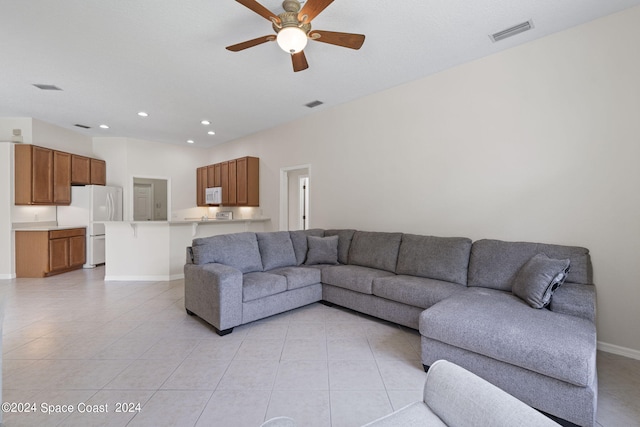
[76, 340]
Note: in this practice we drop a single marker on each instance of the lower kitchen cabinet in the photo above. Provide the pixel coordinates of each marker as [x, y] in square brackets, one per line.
[42, 253]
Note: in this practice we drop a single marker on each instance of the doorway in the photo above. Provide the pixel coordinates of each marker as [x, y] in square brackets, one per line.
[150, 199]
[295, 184]
[303, 208]
[142, 202]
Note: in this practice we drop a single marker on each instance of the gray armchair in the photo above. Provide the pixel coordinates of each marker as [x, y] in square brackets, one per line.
[455, 397]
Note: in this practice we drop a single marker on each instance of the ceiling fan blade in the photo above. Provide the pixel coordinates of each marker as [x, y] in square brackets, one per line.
[299, 61]
[312, 8]
[250, 43]
[352, 41]
[259, 9]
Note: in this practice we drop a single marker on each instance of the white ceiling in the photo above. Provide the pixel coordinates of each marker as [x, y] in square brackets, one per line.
[113, 58]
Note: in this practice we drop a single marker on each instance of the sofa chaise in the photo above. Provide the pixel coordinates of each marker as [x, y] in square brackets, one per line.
[495, 308]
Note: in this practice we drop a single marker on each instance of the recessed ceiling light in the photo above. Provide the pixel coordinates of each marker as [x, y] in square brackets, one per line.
[206, 122]
[211, 132]
[143, 114]
[190, 141]
[104, 127]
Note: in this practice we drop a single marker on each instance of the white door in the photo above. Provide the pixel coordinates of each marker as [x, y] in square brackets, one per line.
[142, 202]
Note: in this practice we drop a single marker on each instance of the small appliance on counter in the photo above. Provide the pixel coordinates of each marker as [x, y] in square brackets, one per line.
[224, 215]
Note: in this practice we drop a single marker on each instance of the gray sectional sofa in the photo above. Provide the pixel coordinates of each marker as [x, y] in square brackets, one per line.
[520, 315]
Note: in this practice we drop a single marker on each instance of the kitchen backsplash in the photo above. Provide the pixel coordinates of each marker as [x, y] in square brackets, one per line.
[33, 214]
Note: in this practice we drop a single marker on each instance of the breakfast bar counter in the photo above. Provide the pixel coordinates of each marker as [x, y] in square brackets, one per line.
[156, 250]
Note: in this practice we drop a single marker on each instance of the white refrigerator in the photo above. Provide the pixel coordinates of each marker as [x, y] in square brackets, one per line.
[90, 206]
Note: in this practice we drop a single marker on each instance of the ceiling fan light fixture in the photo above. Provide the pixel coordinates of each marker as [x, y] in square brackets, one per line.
[292, 39]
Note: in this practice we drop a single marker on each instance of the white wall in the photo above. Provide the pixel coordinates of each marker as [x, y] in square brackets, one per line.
[537, 143]
[57, 138]
[7, 269]
[128, 157]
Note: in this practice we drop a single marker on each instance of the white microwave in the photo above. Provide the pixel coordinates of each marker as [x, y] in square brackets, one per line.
[213, 195]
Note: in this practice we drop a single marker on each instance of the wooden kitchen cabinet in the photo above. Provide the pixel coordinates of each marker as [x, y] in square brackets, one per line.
[201, 185]
[217, 175]
[98, 172]
[88, 171]
[239, 179]
[61, 178]
[224, 182]
[80, 170]
[233, 185]
[44, 253]
[42, 176]
[248, 181]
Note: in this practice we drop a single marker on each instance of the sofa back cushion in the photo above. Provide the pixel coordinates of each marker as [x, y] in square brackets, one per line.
[495, 263]
[299, 240]
[441, 258]
[375, 250]
[344, 243]
[276, 249]
[238, 250]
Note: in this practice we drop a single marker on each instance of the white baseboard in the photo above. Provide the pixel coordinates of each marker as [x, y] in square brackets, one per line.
[162, 278]
[7, 276]
[620, 351]
[176, 276]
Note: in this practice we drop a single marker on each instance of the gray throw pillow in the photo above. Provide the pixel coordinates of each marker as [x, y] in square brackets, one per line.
[322, 250]
[538, 278]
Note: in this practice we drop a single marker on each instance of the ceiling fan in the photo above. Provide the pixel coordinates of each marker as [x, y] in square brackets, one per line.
[293, 29]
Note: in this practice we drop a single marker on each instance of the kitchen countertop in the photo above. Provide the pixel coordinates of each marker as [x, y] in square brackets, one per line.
[190, 221]
[45, 227]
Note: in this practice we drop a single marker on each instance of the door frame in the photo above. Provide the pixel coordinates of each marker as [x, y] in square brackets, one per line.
[130, 197]
[284, 193]
[150, 200]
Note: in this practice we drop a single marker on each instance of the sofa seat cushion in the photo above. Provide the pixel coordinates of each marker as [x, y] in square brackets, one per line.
[353, 277]
[259, 285]
[417, 291]
[298, 277]
[501, 326]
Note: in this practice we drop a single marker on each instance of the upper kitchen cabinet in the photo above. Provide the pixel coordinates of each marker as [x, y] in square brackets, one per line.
[248, 181]
[98, 172]
[61, 178]
[201, 185]
[42, 176]
[80, 170]
[87, 171]
[238, 178]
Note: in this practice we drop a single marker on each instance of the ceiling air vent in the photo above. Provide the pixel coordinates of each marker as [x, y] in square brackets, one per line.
[82, 126]
[47, 87]
[512, 31]
[313, 104]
